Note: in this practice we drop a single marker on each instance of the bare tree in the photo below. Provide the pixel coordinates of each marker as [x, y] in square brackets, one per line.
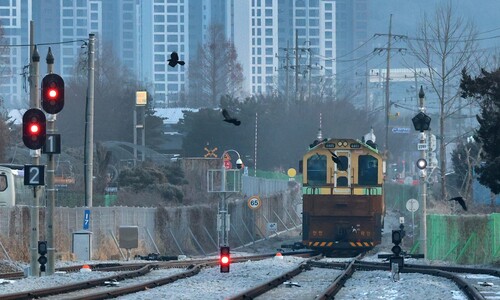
[115, 89]
[445, 44]
[216, 71]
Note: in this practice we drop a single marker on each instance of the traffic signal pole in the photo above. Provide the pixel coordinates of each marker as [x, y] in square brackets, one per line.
[51, 192]
[35, 154]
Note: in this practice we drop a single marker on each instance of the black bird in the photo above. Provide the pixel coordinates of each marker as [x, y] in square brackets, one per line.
[336, 160]
[460, 201]
[174, 60]
[227, 118]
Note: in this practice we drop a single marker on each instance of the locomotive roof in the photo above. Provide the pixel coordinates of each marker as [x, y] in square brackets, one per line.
[341, 143]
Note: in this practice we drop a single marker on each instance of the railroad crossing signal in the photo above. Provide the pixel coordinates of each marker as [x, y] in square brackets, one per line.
[210, 153]
[34, 128]
[225, 259]
[52, 93]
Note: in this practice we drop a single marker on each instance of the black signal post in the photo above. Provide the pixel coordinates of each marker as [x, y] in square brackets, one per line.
[52, 93]
[34, 128]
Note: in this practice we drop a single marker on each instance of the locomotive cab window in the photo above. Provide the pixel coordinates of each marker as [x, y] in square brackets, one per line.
[343, 163]
[368, 170]
[316, 170]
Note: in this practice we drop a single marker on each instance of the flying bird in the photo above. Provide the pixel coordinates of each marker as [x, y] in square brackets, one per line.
[227, 118]
[336, 159]
[174, 60]
[460, 201]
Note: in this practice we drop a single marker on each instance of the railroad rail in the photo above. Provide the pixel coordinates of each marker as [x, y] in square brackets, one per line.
[138, 269]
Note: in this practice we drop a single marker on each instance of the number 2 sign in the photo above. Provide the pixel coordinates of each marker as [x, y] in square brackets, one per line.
[34, 175]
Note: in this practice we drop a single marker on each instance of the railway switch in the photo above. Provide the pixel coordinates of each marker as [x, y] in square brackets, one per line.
[224, 259]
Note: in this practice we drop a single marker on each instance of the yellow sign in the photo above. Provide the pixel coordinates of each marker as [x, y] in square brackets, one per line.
[254, 202]
[141, 98]
[291, 172]
[210, 153]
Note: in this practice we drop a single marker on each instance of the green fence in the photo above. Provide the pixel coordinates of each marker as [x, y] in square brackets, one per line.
[464, 239]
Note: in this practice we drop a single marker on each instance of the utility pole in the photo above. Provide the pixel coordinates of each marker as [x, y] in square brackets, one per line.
[287, 71]
[35, 154]
[51, 195]
[389, 48]
[297, 65]
[89, 124]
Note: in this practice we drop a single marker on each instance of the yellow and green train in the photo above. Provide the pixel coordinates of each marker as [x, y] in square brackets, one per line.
[343, 196]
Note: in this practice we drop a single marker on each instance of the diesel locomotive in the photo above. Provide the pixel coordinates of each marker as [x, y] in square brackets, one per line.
[343, 196]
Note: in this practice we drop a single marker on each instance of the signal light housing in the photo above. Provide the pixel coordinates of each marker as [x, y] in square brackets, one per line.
[52, 93]
[34, 128]
[224, 259]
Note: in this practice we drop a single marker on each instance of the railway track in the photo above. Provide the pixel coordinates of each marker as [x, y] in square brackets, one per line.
[96, 288]
[475, 283]
[313, 278]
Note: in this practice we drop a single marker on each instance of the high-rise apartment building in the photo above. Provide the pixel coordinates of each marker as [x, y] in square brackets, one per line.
[352, 35]
[165, 28]
[14, 52]
[307, 47]
[284, 46]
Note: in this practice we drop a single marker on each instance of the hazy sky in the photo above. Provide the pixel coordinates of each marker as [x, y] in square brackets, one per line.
[408, 14]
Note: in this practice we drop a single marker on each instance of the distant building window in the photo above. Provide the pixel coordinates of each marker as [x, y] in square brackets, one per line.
[159, 38]
[67, 22]
[159, 8]
[172, 8]
[300, 22]
[172, 38]
[172, 28]
[159, 68]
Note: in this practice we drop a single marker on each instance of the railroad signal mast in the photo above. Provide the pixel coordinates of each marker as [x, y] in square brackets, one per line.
[39, 133]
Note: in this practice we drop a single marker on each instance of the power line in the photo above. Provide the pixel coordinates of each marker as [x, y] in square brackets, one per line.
[46, 44]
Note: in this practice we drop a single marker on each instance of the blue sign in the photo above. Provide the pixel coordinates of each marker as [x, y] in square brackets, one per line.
[86, 219]
[401, 130]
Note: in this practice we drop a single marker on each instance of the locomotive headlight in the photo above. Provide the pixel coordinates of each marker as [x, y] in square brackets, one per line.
[340, 144]
[344, 144]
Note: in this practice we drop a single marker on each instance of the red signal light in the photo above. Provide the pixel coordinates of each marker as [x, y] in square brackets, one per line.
[52, 93]
[34, 132]
[225, 259]
[34, 128]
